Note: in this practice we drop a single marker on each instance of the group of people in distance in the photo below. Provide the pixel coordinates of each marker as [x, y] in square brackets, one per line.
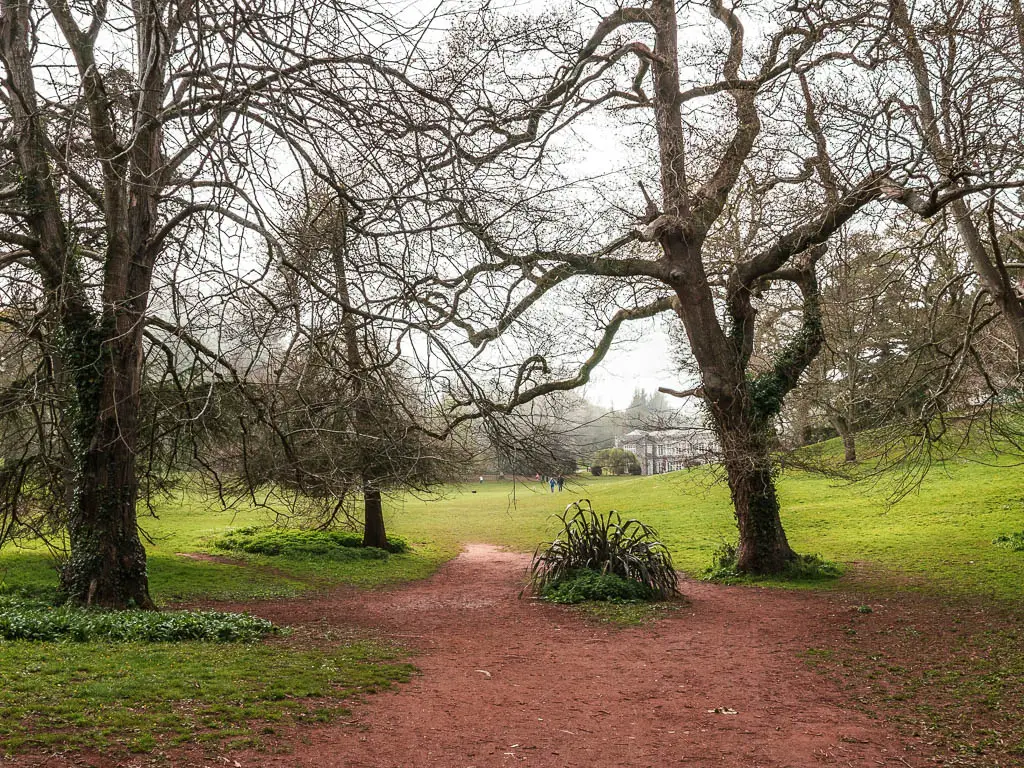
[553, 481]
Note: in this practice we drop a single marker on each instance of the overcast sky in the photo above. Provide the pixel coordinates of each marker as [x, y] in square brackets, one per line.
[644, 363]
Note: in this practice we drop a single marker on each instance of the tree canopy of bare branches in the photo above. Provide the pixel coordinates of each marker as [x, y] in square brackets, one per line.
[750, 135]
[144, 146]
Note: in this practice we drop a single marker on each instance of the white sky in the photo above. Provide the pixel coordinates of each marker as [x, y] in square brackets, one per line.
[645, 364]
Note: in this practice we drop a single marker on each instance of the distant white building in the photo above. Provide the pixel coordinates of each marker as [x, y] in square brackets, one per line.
[669, 449]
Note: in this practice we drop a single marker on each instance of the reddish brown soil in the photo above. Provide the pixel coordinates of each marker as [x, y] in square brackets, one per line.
[508, 681]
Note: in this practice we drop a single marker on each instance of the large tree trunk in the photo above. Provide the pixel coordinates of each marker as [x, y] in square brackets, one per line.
[744, 407]
[107, 566]
[374, 534]
[763, 547]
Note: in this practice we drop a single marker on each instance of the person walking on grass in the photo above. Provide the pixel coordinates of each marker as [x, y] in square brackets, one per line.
[561, 482]
[551, 482]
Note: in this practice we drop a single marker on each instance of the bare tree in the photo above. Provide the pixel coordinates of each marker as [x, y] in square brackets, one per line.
[964, 63]
[340, 415]
[763, 147]
[892, 310]
[143, 144]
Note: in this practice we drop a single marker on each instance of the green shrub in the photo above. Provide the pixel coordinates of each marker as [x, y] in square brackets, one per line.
[1012, 541]
[34, 620]
[294, 542]
[617, 461]
[606, 545]
[583, 586]
[802, 568]
[723, 564]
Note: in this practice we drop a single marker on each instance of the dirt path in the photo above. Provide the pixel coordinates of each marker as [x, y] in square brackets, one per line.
[512, 682]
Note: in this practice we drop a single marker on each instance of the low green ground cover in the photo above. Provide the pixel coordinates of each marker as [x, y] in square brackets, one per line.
[295, 542]
[966, 696]
[22, 619]
[141, 696]
[583, 586]
[631, 614]
[803, 568]
[1011, 541]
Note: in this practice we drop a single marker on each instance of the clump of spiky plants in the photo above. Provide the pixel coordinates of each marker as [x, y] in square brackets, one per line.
[606, 545]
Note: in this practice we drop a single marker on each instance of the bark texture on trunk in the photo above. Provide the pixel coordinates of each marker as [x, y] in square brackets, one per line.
[374, 534]
[762, 547]
[98, 344]
[107, 566]
[850, 448]
[744, 407]
[849, 438]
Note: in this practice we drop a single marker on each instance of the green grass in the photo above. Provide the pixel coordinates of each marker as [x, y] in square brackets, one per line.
[139, 697]
[1012, 541]
[938, 538]
[83, 694]
[191, 523]
[634, 614]
[143, 696]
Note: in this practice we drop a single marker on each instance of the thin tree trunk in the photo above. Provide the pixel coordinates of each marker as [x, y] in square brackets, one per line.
[850, 448]
[849, 438]
[374, 534]
[991, 270]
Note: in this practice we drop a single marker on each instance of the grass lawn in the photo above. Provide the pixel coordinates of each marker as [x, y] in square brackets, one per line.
[190, 524]
[141, 696]
[137, 696]
[938, 538]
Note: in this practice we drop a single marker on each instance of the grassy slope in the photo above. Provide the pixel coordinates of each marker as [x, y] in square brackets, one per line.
[942, 533]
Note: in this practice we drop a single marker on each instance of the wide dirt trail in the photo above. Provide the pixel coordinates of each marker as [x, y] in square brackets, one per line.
[508, 681]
